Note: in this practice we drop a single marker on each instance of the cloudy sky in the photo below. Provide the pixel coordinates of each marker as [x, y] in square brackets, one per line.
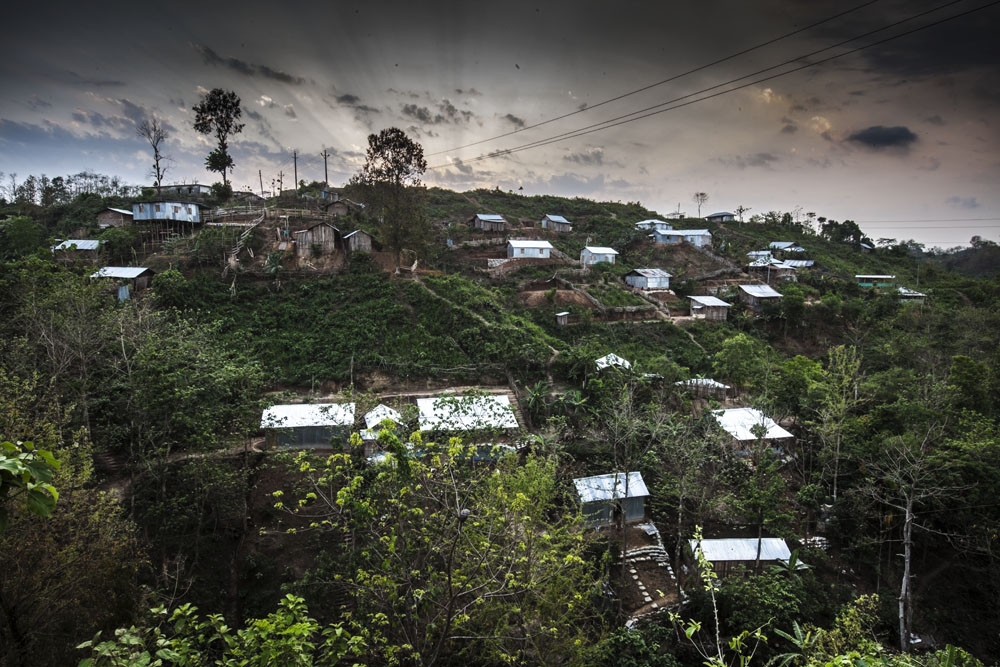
[902, 137]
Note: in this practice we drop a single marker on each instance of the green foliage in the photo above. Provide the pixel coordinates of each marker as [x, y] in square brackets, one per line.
[647, 646]
[26, 477]
[288, 636]
[117, 244]
[218, 113]
[20, 236]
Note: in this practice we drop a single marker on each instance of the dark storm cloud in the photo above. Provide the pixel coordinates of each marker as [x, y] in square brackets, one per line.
[243, 67]
[753, 160]
[593, 156]
[290, 111]
[423, 114]
[69, 76]
[462, 167]
[472, 92]
[253, 115]
[348, 99]
[514, 120]
[453, 113]
[879, 137]
[446, 113]
[968, 203]
[788, 126]
[37, 104]
[935, 120]
[99, 121]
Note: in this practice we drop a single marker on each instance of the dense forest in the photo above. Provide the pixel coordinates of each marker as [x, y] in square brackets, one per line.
[145, 519]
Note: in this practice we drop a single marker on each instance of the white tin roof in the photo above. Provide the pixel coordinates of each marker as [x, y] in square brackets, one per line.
[685, 232]
[612, 360]
[380, 413]
[743, 549]
[702, 382]
[789, 246]
[610, 487]
[556, 218]
[297, 415]
[600, 250]
[872, 275]
[466, 413]
[490, 217]
[906, 292]
[760, 291]
[529, 243]
[119, 210]
[127, 272]
[652, 273]
[739, 423]
[81, 244]
[709, 301]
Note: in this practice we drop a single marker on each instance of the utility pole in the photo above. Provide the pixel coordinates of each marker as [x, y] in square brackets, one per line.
[326, 177]
[260, 175]
[295, 166]
[281, 182]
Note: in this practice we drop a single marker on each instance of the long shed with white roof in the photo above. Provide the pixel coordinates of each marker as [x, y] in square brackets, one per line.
[602, 497]
[726, 554]
[709, 308]
[591, 255]
[456, 413]
[307, 425]
[742, 422]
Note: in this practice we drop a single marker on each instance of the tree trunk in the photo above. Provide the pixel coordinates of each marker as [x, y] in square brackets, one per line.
[904, 589]
[760, 534]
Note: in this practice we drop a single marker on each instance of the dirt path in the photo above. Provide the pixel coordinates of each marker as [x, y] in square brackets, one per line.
[453, 304]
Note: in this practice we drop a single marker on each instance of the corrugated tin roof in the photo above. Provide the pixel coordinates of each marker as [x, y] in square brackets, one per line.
[759, 253]
[119, 210]
[466, 413]
[651, 273]
[600, 250]
[81, 244]
[911, 293]
[685, 232]
[742, 549]
[760, 291]
[653, 222]
[709, 301]
[786, 245]
[128, 272]
[720, 213]
[298, 415]
[557, 218]
[739, 422]
[612, 360]
[380, 413]
[799, 263]
[702, 382]
[490, 217]
[529, 243]
[866, 246]
[356, 231]
[610, 487]
[873, 275]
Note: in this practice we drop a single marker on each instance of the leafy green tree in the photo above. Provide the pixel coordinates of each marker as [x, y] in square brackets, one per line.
[288, 636]
[390, 184]
[20, 236]
[219, 113]
[741, 359]
[26, 477]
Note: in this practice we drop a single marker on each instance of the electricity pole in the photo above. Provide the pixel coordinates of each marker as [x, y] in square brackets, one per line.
[295, 167]
[261, 177]
[281, 182]
[326, 177]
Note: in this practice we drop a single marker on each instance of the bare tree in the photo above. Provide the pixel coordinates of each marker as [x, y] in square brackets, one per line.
[155, 133]
[740, 210]
[699, 198]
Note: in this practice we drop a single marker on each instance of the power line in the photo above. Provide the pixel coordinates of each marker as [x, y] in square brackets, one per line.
[658, 83]
[948, 227]
[621, 120]
[927, 220]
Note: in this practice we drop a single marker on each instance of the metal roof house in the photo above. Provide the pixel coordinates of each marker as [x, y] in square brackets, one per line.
[907, 294]
[648, 279]
[651, 224]
[609, 360]
[556, 223]
[721, 216]
[742, 422]
[320, 238]
[727, 554]
[876, 281]
[528, 249]
[128, 278]
[307, 425]
[604, 497]
[488, 222]
[705, 387]
[85, 247]
[169, 211]
[786, 246]
[754, 296]
[709, 308]
[701, 238]
[184, 189]
[373, 419]
[359, 241]
[591, 255]
[757, 255]
[466, 413]
[114, 217]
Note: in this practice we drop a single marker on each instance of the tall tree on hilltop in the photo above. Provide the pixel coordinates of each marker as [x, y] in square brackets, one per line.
[390, 183]
[154, 132]
[699, 198]
[219, 113]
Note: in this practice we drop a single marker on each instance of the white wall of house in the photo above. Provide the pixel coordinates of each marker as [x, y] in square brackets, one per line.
[527, 253]
[166, 210]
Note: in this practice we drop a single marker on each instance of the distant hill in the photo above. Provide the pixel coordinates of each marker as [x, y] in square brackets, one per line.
[981, 262]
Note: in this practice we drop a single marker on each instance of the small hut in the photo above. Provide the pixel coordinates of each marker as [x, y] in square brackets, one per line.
[876, 281]
[321, 238]
[458, 413]
[754, 296]
[488, 222]
[562, 319]
[612, 360]
[648, 279]
[603, 497]
[709, 308]
[556, 223]
[591, 255]
[528, 249]
[373, 419]
[705, 388]
[74, 249]
[359, 241]
[700, 238]
[741, 424]
[114, 217]
[128, 278]
[721, 216]
[307, 425]
[727, 554]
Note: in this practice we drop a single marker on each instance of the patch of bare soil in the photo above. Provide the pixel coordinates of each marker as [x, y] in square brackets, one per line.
[562, 297]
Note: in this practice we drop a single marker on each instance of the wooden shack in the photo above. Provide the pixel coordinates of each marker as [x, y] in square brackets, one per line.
[114, 217]
[739, 554]
[709, 308]
[705, 388]
[701, 238]
[321, 238]
[556, 223]
[591, 255]
[648, 279]
[488, 222]
[359, 241]
[72, 250]
[307, 425]
[603, 498]
[128, 279]
[754, 296]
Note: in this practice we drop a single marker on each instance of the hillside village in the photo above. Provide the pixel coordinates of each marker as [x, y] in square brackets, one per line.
[691, 393]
